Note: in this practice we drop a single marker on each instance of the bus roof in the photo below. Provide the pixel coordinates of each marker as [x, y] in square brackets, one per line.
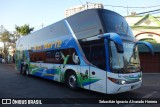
[78, 22]
[84, 24]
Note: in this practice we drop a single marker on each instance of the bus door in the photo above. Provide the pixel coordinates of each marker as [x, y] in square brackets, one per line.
[97, 72]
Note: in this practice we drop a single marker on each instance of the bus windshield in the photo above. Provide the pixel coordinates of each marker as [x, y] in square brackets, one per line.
[116, 23]
[124, 62]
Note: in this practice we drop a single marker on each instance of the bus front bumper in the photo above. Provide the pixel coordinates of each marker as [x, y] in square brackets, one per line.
[114, 88]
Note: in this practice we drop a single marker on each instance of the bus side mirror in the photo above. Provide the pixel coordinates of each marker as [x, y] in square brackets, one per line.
[148, 45]
[116, 39]
[119, 47]
[118, 42]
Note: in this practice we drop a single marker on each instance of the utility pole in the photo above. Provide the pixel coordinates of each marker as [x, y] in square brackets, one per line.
[87, 5]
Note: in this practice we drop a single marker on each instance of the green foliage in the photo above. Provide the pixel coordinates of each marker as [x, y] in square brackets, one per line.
[24, 30]
[5, 36]
[9, 39]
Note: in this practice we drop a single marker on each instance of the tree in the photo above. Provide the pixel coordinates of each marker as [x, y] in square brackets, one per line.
[5, 38]
[1, 50]
[24, 30]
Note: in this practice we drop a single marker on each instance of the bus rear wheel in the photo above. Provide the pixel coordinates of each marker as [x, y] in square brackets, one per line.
[71, 80]
[24, 70]
[27, 71]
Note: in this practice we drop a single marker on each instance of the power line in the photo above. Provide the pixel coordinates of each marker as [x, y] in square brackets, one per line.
[132, 7]
[129, 7]
[156, 12]
[148, 12]
[152, 11]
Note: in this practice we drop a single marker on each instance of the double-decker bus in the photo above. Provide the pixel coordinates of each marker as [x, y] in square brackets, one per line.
[94, 49]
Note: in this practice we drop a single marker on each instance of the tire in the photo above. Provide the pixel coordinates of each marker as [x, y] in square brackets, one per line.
[27, 71]
[24, 70]
[71, 81]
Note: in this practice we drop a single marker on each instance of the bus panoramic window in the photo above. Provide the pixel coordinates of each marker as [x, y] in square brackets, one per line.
[85, 25]
[116, 23]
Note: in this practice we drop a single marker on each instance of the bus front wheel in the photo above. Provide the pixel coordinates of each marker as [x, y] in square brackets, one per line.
[71, 80]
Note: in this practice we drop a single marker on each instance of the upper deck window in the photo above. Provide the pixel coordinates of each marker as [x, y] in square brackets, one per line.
[85, 24]
[116, 23]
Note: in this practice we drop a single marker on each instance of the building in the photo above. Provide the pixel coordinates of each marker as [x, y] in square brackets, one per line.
[147, 28]
[80, 8]
[149, 63]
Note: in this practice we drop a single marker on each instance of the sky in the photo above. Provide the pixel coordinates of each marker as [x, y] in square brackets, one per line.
[38, 12]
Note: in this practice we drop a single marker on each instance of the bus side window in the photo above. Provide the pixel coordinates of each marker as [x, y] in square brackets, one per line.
[74, 59]
[35, 59]
[37, 56]
[69, 56]
[86, 50]
[53, 56]
[97, 56]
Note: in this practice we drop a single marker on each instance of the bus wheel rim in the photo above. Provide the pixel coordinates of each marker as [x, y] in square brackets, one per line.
[72, 81]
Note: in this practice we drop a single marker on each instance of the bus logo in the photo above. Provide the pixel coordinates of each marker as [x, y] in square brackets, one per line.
[6, 101]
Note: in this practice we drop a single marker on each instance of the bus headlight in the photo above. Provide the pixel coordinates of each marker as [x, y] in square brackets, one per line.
[123, 82]
[117, 81]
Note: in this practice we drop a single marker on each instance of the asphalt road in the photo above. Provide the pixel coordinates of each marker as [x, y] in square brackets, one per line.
[15, 85]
